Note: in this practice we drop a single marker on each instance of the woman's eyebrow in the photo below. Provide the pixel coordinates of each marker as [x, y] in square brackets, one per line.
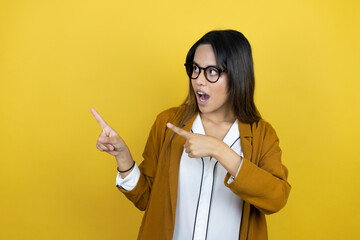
[206, 66]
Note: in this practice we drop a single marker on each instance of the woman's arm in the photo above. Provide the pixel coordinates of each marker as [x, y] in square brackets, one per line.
[198, 145]
[263, 181]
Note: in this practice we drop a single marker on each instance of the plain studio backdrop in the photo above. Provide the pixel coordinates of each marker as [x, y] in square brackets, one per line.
[125, 58]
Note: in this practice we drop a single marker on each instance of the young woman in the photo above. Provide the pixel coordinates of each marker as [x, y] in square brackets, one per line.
[212, 167]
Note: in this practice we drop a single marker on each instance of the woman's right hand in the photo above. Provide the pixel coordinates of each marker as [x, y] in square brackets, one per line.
[109, 140]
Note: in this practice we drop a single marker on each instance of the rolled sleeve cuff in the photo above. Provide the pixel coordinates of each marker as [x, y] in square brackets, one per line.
[232, 178]
[130, 181]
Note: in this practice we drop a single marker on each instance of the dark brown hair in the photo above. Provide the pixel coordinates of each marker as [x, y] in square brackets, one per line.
[232, 52]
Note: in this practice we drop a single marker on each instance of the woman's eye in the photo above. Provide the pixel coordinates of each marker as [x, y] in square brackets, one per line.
[196, 69]
[213, 72]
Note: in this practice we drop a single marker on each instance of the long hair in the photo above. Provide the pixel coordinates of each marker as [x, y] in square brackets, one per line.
[232, 52]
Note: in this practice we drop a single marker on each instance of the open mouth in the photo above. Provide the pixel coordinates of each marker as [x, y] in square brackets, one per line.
[203, 97]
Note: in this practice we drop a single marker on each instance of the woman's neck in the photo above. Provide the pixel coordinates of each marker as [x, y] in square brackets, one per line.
[217, 118]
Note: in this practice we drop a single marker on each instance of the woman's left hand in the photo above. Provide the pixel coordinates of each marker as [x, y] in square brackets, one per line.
[196, 145]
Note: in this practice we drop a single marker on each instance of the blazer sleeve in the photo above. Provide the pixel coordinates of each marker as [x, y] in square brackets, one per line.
[140, 194]
[263, 181]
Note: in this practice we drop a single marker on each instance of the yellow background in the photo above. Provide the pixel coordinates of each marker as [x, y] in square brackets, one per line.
[125, 58]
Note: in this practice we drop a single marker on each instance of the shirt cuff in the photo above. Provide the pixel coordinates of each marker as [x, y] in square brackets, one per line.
[130, 181]
[232, 178]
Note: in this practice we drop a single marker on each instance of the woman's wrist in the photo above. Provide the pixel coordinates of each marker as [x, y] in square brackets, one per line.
[127, 170]
[227, 157]
[218, 148]
[124, 160]
[125, 164]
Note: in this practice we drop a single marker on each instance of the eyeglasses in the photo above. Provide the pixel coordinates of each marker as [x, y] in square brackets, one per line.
[212, 73]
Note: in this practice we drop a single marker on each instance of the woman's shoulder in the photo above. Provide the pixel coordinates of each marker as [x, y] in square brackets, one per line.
[263, 128]
[262, 124]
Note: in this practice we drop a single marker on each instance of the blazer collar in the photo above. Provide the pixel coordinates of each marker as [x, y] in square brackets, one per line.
[245, 129]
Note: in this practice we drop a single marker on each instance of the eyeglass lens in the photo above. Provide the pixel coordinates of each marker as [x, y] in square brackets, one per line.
[211, 73]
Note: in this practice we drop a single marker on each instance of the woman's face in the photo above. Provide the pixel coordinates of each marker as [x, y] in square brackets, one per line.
[212, 98]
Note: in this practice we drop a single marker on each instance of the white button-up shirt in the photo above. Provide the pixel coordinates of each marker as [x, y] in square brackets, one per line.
[206, 208]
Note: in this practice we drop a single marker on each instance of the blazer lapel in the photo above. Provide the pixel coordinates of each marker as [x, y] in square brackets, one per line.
[246, 139]
[246, 146]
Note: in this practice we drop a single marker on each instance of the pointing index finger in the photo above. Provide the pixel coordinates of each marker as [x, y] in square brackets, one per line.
[98, 118]
[178, 130]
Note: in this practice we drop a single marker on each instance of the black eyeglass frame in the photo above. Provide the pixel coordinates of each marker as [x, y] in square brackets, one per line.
[189, 66]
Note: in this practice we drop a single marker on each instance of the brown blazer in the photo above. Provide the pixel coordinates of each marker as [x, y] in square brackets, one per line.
[261, 181]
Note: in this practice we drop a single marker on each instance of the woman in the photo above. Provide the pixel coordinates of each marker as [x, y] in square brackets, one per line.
[212, 167]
